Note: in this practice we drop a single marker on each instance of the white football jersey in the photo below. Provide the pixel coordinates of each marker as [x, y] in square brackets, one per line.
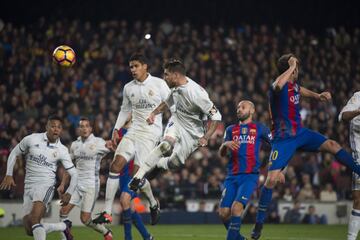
[87, 156]
[352, 105]
[41, 158]
[141, 98]
[192, 107]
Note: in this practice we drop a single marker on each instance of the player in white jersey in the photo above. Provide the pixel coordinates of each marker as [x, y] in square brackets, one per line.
[42, 152]
[86, 152]
[140, 98]
[351, 113]
[185, 131]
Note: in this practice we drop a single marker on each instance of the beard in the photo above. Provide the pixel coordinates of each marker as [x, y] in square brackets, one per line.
[244, 116]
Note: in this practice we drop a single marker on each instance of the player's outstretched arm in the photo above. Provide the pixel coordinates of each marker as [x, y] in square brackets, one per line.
[8, 181]
[203, 141]
[349, 115]
[285, 76]
[159, 109]
[324, 96]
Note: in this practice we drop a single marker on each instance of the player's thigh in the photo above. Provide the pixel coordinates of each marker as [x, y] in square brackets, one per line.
[76, 197]
[310, 141]
[186, 145]
[171, 131]
[143, 148]
[126, 148]
[281, 153]
[41, 198]
[229, 193]
[89, 197]
[247, 185]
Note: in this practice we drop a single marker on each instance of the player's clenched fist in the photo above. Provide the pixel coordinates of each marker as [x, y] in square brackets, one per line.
[325, 96]
[232, 145]
[65, 199]
[7, 183]
[151, 119]
[292, 62]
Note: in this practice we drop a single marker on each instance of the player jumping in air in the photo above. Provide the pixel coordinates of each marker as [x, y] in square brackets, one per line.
[288, 133]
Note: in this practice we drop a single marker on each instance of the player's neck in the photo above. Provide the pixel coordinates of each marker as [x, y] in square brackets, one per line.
[84, 138]
[246, 121]
[143, 77]
[182, 81]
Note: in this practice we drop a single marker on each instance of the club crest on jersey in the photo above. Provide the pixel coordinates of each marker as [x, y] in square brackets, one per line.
[151, 93]
[244, 130]
[252, 131]
[92, 146]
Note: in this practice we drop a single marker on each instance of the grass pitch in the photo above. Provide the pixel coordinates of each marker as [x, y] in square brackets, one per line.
[199, 232]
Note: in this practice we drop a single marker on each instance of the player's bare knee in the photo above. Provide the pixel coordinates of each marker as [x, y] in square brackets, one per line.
[125, 204]
[166, 148]
[85, 217]
[224, 214]
[331, 146]
[237, 208]
[117, 164]
[271, 181]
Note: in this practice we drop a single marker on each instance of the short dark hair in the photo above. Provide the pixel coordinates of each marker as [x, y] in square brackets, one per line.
[139, 57]
[175, 65]
[82, 118]
[54, 117]
[283, 62]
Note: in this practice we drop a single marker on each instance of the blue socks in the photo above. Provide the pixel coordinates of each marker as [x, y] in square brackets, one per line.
[346, 159]
[127, 223]
[227, 224]
[234, 228]
[136, 218]
[265, 199]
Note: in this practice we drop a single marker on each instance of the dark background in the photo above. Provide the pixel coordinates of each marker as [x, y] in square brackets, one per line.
[313, 15]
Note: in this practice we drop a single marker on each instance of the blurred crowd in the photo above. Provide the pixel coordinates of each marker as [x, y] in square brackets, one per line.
[232, 63]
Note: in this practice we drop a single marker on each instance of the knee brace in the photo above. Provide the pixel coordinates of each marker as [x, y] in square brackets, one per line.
[165, 148]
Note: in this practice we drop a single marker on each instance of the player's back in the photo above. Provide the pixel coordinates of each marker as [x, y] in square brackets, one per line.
[144, 97]
[87, 155]
[191, 102]
[285, 111]
[246, 158]
[41, 158]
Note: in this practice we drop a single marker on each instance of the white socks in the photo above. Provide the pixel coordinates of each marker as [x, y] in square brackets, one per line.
[163, 163]
[146, 189]
[97, 227]
[39, 232]
[112, 186]
[149, 163]
[354, 224]
[51, 227]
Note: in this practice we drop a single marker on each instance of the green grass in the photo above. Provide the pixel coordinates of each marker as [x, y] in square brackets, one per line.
[201, 232]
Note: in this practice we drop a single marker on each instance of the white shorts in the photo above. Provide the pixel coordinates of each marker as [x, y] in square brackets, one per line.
[34, 193]
[185, 143]
[85, 198]
[135, 147]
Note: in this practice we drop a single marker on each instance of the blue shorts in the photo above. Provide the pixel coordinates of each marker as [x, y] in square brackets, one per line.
[283, 150]
[238, 188]
[124, 185]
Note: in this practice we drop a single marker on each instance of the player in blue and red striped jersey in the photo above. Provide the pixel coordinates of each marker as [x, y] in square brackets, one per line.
[288, 133]
[129, 215]
[242, 143]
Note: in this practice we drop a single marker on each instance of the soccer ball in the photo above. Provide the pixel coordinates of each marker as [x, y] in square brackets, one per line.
[64, 56]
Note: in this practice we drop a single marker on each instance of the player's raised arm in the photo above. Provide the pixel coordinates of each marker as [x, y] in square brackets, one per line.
[19, 150]
[285, 75]
[324, 96]
[351, 109]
